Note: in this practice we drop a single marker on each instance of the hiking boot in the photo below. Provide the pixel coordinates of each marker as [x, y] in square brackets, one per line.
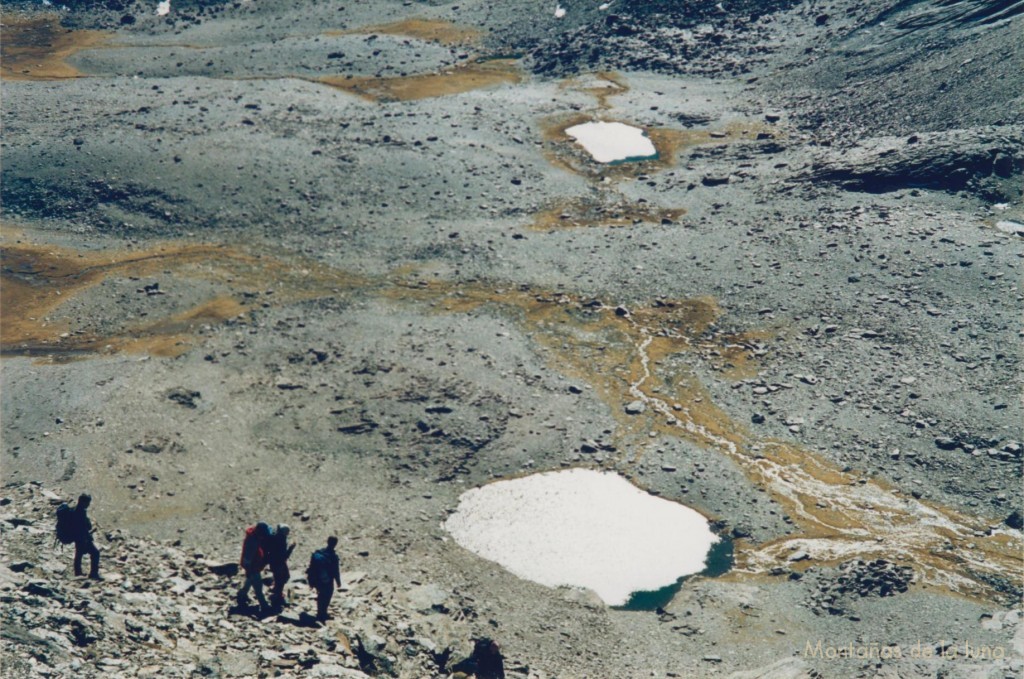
[95, 576]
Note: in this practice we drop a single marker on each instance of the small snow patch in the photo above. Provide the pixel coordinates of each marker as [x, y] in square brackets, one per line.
[164, 8]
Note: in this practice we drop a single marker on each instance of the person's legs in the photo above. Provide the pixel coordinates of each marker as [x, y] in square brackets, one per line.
[323, 600]
[94, 561]
[281, 578]
[257, 584]
[320, 605]
[79, 553]
[243, 594]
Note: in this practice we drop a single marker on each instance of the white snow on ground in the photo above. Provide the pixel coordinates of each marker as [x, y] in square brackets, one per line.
[583, 528]
[559, 11]
[608, 142]
[163, 8]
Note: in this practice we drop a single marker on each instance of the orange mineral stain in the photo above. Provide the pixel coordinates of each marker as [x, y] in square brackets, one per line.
[35, 48]
[474, 76]
[602, 212]
[37, 281]
[428, 30]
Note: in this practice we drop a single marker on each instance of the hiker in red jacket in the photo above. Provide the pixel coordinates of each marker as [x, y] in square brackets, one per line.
[254, 560]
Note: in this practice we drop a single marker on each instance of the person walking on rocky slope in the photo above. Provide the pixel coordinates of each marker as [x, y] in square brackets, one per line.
[82, 530]
[254, 560]
[323, 573]
[278, 551]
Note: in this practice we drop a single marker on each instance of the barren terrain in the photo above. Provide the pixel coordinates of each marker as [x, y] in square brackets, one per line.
[332, 264]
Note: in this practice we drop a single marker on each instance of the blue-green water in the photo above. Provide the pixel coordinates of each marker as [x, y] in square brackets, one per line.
[634, 159]
[719, 561]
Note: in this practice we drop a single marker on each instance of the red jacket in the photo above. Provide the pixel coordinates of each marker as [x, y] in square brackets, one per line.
[254, 552]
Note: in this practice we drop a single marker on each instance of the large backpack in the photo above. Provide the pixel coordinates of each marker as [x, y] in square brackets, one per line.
[65, 524]
[261, 552]
[318, 571]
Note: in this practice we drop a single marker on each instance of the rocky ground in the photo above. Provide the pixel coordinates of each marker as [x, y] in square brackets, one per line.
[159, 612]
[331, 264]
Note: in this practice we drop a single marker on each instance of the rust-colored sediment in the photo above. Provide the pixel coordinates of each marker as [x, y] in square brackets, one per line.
[36, 47]
[36, 280]
[473, 76]
[670, 142]
[593, 212]
[429, 30]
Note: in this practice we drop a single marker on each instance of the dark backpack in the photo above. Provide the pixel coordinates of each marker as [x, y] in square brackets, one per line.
[65, 524]
[317, 572]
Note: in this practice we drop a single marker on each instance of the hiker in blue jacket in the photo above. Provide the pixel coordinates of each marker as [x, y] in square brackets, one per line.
[323, 574]
[84, 544]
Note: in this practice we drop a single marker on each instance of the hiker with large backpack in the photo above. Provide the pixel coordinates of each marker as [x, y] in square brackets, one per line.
[278, 551]
[253, 561]
[323, 573]
[74, 526]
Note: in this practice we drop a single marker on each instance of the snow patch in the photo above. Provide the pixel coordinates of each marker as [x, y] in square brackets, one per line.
[583, 528]
[610, 142]
[164, 8]
[1006, 226]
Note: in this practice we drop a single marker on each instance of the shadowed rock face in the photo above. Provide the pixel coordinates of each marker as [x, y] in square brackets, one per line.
[987, 162]
[42, 199]
[937, 15]
[925, 65]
